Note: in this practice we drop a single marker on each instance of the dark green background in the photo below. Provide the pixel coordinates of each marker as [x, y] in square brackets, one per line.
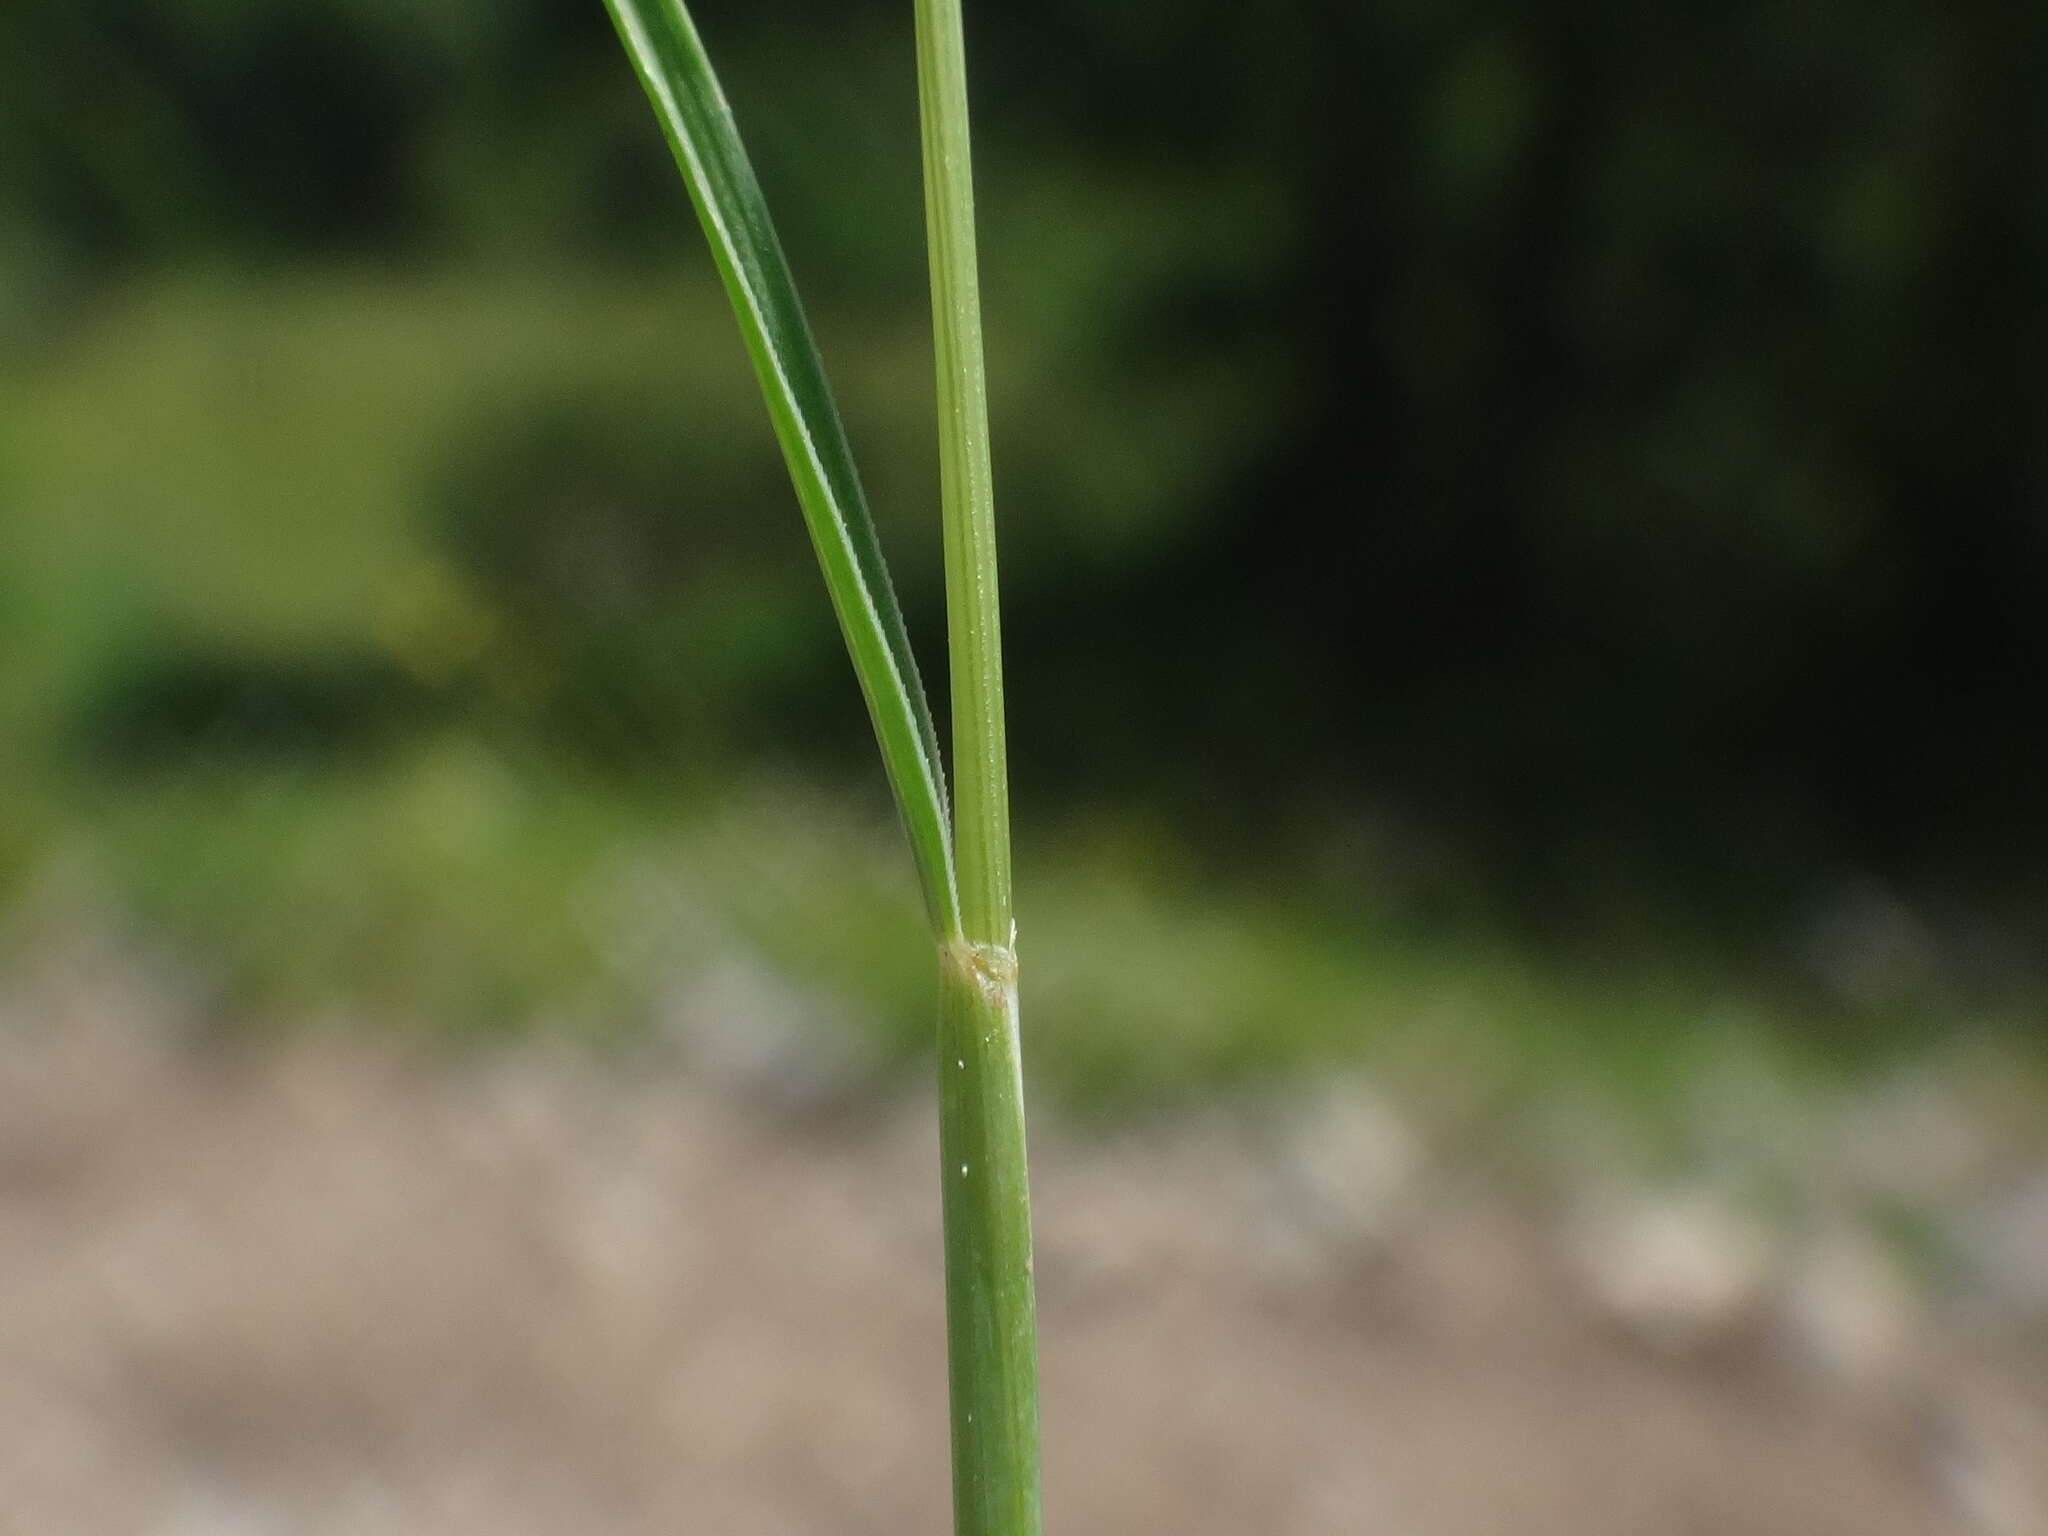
[1560, 478]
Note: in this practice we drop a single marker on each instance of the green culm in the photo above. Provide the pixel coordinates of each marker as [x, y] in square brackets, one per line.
[962, 848]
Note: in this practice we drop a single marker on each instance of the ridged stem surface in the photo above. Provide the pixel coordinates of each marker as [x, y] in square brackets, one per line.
[991, 1324]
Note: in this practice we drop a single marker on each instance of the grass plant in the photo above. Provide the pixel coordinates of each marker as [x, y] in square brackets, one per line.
[962, 851]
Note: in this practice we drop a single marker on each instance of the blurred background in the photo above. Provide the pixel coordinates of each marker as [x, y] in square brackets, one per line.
[1524, 560]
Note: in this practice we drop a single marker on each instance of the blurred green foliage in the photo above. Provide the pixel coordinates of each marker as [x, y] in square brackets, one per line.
[1590, 459]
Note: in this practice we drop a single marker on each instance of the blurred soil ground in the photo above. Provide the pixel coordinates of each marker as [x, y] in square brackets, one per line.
[317, 1287]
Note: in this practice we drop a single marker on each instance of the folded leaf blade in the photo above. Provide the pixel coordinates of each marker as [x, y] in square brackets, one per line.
[670, 60]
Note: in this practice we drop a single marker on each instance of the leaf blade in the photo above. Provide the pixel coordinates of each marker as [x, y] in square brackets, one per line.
[669, 58]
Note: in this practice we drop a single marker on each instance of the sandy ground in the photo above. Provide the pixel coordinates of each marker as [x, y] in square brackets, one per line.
[317, 1289]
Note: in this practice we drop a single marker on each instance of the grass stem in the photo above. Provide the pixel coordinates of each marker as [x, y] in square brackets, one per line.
[963, 862]
[991, 1324]
[973, 622]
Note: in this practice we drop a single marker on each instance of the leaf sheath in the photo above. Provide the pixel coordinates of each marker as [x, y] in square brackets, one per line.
[991, 1318]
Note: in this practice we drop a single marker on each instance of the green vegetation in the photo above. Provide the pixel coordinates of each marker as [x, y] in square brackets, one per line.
[250, 472]
[1653, 454]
